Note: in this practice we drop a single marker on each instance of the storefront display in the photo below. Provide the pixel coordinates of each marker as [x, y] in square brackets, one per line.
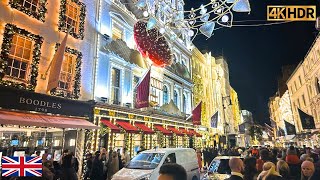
[33, 122]
[135, 131]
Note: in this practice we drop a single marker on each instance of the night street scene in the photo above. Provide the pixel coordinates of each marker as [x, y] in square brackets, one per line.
[159, 90]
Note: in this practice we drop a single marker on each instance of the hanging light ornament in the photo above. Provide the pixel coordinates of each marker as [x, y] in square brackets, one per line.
[204, 19]
[152, 44]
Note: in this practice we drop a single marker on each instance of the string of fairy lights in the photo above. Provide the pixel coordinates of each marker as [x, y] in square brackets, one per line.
[202, 20]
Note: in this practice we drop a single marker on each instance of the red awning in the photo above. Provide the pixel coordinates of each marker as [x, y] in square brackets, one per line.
[184, 131]
[162, 129]
[176, 131]
[110, 125]
[144, 128]
[195, 133]
[127, 127]
[43, 120]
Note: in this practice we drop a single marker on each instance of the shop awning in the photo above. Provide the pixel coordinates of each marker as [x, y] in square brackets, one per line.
[127, 126]
[43, 120]
[162, 129]
[184, 131]
[195, 133]
[176, 131]
[110, 125]
[144, 128]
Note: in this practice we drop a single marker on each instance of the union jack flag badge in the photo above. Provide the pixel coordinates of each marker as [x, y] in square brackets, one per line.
[21, 166]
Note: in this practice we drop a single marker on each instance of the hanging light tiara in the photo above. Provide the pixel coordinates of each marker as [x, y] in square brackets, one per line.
[202, 20]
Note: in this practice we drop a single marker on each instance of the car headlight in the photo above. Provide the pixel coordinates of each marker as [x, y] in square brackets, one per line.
[145, 177]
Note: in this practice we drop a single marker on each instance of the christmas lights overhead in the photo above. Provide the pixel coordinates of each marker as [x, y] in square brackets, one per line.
[202, 20]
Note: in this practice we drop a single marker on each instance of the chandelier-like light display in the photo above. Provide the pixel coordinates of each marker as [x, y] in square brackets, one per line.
[169, 15]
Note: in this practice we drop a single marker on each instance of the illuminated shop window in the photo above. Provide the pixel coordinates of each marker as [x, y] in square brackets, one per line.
[20, 58]
[67, 73]
[72, 16]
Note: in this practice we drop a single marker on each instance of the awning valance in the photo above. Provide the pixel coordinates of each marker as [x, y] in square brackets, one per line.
[144, 128]
[184, 131]
[43, 120]
[110, 125]
[162, 129]
[127, 126]
[176, 131]
[195, 133]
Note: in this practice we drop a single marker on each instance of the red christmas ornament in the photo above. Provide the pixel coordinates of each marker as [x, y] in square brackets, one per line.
[152, 44]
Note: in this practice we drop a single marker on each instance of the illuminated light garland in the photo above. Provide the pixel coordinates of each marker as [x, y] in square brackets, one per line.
[63, 18]
[198, 20]
[77, 78]
[152, 44]
[39, 14]
[9, 31]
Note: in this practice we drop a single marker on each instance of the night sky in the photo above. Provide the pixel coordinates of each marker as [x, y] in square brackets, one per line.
[255, 55]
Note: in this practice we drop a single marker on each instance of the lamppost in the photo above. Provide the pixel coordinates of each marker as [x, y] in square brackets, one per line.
[226, 124]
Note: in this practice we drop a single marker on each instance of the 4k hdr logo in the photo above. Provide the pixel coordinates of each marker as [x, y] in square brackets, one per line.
[291, 13]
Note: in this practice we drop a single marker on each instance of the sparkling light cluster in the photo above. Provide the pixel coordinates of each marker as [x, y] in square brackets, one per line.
[152, 44]
[204, 19]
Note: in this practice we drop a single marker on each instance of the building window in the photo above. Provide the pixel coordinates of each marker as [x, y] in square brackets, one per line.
[20, 58]
[117, 33]
[184, 102]
[115, 85]
[295, 85]
[165, 95]
[70, 76]
[72, 16]
[34, 8]
[67, 73]
[175, 98]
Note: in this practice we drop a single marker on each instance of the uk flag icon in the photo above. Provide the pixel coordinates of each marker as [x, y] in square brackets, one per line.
[21, 166]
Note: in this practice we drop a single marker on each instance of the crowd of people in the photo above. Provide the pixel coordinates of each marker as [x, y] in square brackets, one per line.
[105, 164]
[276, 164]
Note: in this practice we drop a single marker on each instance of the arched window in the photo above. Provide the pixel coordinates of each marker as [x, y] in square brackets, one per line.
[175, 98]
[184, 103]
[165, 95]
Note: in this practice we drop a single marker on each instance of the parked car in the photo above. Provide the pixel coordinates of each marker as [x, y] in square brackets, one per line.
[146, 165]
[219, 168]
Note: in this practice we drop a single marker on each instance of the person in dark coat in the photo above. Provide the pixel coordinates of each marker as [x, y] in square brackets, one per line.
[68, 171]
[236, 166]
[97, 168]
[250, 170]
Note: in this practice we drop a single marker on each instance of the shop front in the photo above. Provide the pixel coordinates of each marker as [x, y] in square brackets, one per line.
[133, 129]
[36, 122]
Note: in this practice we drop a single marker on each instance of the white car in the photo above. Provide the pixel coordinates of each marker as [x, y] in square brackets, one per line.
[146, 165]
[219, 168]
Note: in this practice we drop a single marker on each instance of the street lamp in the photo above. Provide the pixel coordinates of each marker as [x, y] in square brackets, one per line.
[226, 125]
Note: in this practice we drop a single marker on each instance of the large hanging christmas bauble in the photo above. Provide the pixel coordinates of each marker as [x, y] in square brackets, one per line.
[152, 44]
